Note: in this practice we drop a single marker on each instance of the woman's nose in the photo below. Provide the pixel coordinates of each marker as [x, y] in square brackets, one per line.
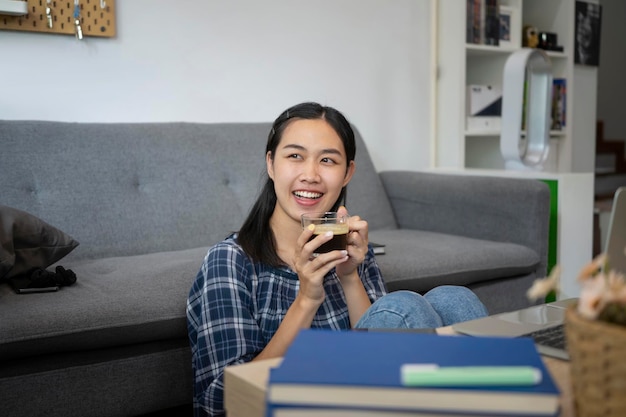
[310, 172]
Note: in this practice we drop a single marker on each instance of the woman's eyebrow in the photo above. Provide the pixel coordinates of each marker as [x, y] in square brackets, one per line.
[333, 151]
[294, 146]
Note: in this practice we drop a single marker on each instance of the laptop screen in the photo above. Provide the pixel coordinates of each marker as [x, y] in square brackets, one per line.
[616, 236]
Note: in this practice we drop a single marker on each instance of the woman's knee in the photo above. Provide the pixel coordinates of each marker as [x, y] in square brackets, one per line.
[401, 309]
[401, 297]
[451, 293]
[455, 303]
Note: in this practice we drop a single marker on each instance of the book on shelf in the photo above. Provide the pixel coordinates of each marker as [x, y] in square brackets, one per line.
[347, 370]
[477, 21]
[492, 22]
[469, 21]
[482, 22]
[559, 95]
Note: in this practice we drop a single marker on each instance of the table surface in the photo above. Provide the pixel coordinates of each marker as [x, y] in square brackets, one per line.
[256, 375]
[560, 372]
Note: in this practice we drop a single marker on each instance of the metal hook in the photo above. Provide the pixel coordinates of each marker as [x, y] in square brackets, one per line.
[103, 4]
[79, 29]
[49, 13]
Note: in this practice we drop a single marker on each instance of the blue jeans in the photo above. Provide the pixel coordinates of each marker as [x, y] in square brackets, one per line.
[441, 306]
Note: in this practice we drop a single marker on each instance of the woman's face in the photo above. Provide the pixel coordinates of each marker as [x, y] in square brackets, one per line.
[309, 169]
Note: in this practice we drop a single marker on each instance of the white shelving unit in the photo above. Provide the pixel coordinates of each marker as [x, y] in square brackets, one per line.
[571, 159]
[460, 64]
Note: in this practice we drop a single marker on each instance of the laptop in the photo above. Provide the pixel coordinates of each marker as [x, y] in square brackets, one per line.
[544, 323]
[616, 237]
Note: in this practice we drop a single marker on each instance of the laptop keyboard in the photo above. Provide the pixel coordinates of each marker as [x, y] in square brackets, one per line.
[552, 336]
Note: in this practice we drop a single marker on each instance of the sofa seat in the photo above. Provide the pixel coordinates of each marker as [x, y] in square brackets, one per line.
[104, 308]
[413, 259]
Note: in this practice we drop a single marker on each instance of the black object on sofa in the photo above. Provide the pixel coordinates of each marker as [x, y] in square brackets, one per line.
[145, 201]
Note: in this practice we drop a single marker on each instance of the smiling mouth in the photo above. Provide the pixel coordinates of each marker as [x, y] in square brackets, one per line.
[307, 194]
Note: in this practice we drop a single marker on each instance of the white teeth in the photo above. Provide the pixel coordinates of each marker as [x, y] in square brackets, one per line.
[307, 194]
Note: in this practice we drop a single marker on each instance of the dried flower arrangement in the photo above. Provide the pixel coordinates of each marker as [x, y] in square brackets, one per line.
[596, 338]
[602, 295]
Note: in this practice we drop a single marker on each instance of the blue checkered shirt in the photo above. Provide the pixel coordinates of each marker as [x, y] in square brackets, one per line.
[235, 306]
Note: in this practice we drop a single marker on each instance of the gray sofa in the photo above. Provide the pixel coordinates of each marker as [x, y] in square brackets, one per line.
[145, 201]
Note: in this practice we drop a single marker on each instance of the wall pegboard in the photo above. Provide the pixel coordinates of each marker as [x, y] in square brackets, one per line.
[97, 17]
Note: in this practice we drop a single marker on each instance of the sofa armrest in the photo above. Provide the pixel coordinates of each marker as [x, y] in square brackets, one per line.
[499, 209]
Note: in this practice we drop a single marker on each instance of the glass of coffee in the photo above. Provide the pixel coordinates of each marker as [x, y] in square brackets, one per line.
[328, 222]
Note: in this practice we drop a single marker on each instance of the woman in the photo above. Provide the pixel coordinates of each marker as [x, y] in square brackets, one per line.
[260, 286]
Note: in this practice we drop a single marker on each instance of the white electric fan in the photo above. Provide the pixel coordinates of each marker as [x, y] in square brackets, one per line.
[527, 71]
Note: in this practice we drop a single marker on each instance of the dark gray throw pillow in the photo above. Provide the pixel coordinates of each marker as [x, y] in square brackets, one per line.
[28, 243]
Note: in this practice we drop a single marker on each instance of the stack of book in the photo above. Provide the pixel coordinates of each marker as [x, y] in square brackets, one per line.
[483, 22]
[332, 373]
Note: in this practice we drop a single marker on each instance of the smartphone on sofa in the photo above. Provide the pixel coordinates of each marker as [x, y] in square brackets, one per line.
[24, 286]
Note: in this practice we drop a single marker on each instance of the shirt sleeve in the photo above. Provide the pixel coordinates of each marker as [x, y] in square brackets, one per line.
[222, 328]
[371, 276]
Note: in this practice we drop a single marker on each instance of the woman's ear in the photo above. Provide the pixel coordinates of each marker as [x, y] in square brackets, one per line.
[349, 173]
[269, 162]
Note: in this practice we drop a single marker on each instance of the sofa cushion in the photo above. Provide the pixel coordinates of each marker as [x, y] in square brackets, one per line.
[115, 302]
[365, 194]
[134, 188]
[418, 261]
[28, 243]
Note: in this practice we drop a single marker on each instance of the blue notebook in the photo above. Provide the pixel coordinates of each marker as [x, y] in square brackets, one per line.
[347, 369]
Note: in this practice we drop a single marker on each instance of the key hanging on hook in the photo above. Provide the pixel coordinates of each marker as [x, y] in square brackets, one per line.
[49, 13]
[79, 30]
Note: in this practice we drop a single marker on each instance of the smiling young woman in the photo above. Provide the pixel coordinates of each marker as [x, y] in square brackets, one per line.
[256, 289]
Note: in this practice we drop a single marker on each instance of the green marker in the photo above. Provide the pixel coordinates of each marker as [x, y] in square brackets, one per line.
[432, 375]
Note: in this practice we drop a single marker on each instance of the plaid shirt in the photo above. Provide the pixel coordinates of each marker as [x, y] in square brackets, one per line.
[235, 306]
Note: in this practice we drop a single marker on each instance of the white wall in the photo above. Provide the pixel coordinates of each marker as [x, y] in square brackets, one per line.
[233, 61]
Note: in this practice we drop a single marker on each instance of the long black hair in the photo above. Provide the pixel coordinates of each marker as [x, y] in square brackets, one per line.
[256, 236]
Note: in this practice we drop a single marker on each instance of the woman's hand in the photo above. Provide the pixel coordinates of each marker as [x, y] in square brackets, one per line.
[357, 245]
[312, 269]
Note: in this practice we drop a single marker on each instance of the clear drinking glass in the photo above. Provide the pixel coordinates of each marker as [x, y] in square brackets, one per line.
[325, 222]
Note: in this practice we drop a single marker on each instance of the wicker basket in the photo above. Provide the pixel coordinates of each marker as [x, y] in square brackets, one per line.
[598, 366]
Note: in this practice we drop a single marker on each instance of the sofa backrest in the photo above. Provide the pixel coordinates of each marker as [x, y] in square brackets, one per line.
[130, 188]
